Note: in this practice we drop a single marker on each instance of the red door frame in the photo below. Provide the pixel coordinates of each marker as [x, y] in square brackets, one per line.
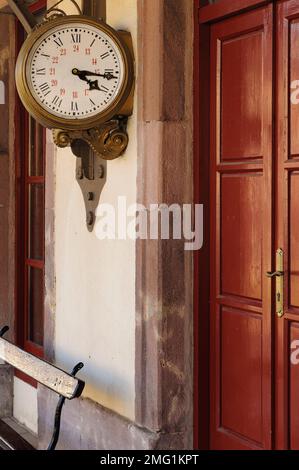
[21, 128]
[203, 17]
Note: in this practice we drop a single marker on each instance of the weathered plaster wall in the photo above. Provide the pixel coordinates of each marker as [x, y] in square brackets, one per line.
[95, 280]
[6, 391]
[164, 276]
[164, 286]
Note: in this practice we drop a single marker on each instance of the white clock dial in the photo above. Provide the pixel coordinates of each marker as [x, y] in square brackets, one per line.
[75, 71]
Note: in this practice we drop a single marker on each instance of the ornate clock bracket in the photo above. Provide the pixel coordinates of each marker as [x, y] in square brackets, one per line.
[93, 147]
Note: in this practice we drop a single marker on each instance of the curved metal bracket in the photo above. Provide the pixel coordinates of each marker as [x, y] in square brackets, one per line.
[54, 10]
[28, 20]
[3, 331]
[108, 140]
[23, 14]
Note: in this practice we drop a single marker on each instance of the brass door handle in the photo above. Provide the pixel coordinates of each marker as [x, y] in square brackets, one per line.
[275, 274]
[279, 276]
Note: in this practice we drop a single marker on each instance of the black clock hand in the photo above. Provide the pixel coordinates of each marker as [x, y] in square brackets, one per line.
[94, 85]
[82, 74]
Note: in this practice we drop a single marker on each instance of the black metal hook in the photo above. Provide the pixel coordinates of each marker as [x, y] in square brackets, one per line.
[57, 419]
[76, 369]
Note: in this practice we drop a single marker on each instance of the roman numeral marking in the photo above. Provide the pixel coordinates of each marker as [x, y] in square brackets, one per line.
[45, 88]
[59, 42]
[104, 56]
[74, 106]
[104, 89]
[109, 70]
[41, 72]
[76, 38]
[92, 102]
[92, 43]
[57, 101]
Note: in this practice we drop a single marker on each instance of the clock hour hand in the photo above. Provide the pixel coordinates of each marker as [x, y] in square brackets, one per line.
[82, 74]
[94, 85]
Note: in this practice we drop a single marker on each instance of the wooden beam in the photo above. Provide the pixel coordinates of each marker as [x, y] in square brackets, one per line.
[223, 8]
[43, 372]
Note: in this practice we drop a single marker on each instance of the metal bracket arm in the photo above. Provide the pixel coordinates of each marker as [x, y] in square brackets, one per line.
[93, 148]
[22, 12]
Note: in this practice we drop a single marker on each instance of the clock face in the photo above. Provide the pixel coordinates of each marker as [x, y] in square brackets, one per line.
[75, 71]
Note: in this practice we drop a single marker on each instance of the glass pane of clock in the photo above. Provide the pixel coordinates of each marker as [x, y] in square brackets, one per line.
[75, 71]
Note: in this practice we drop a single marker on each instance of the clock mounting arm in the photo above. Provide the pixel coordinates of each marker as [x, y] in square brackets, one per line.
[20, 9]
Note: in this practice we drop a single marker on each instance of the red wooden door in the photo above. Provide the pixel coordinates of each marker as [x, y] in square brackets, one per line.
[241, 230]
[287, 223]
[254, 212]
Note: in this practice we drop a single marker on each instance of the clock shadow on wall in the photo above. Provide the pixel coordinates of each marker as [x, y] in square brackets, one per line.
[75, 76]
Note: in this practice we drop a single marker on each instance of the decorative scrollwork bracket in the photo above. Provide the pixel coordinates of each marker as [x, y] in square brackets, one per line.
[93, 147]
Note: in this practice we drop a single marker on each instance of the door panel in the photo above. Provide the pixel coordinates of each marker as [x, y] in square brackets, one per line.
[241, 131]
[241, 349]
[287, 222]
[293, 393]
[294, 239]
[292, 25]
[241, 248]
[241, 230]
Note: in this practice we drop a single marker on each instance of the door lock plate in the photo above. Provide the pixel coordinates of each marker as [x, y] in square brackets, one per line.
[279, 283]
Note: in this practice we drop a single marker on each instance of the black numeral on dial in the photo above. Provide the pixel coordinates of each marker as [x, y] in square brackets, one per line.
[104, 56]
[104, 89]
[45, 89]
[57, 101]
[59, 42]
[76, 38]
[41, 72]
[74, 106]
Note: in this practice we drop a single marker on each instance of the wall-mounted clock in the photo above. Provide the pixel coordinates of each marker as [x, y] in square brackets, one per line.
[75, 75]
[75, 72]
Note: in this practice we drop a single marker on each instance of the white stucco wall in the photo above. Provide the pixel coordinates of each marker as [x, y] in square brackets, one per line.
[95, 280]
[25, 404]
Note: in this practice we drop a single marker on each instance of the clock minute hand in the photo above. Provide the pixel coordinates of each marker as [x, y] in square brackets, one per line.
[82, 74]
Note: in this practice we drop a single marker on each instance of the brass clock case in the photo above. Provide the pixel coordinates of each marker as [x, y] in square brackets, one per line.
[120, 106]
